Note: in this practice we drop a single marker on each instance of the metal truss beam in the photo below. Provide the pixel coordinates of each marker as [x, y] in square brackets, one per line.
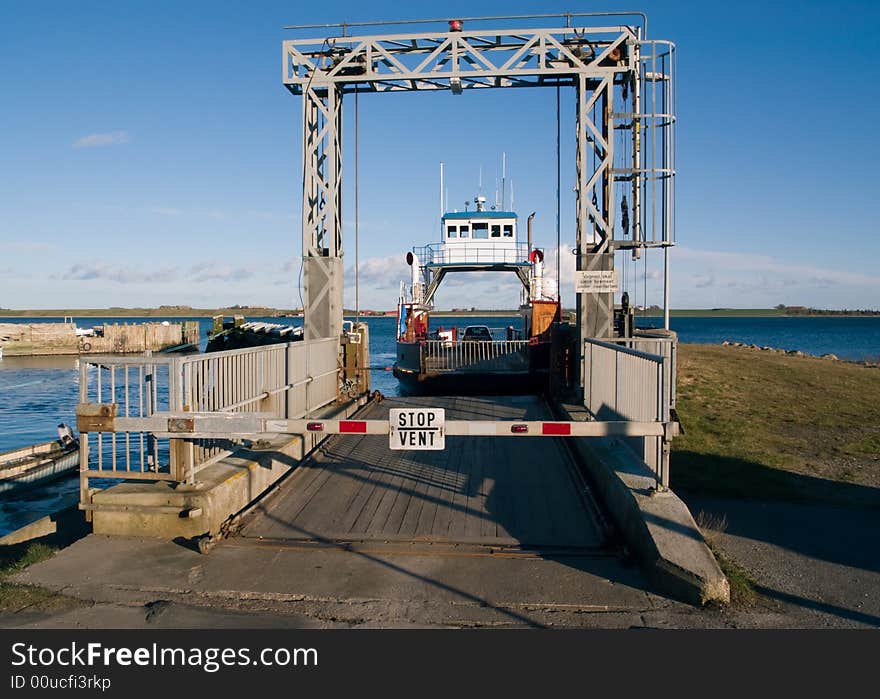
[458, 60]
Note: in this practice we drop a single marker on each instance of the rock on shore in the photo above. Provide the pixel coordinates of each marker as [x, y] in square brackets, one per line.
[794, 353]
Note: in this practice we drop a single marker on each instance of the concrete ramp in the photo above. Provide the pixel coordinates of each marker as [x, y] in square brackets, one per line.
[481, 491]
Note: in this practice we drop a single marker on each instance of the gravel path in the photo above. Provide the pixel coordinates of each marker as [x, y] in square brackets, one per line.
[820, 564]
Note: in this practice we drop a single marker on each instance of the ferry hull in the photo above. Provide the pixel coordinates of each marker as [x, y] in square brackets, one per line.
[467, 384]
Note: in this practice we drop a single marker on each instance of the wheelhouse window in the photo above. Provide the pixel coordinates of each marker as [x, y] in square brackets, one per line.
[508, 230]
[481, 231]
[464, 232]
[496, 230]
[451, 231]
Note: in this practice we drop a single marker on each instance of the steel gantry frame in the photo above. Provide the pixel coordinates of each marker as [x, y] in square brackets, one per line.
[615, 71]
[624, 136]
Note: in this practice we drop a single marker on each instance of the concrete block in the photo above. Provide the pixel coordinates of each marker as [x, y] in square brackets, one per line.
[66, 524]
[657, 527]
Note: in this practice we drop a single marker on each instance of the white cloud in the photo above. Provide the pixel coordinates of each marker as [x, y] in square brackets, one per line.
[781, 273]
[97, 140]
[707, 268]
[722, 279]
[703, 281]
[381, 272]
[210, 271]
[121, 275]
[380, 278]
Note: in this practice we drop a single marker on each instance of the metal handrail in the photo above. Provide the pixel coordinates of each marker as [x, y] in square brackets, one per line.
[567, 16]
[441, 253]
[287, 381]
[625, 350]
[128, 359]
[276, 391]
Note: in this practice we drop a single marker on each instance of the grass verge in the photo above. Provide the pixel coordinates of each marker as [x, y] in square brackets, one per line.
[13, 559]
[742, 586]
[767, 426]
[743, 591]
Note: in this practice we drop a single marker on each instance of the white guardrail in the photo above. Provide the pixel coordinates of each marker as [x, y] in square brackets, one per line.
[283, 381]
[622, 382]
[660, 346]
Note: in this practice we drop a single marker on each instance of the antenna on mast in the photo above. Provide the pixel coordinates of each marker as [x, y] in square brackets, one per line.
[511, 195]
[503, 176]
[441, 189]
[481, 180]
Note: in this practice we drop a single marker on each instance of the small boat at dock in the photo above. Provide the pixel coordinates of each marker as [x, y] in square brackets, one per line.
[34, 465]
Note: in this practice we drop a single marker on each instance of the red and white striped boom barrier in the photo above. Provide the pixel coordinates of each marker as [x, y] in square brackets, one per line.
[208, 426]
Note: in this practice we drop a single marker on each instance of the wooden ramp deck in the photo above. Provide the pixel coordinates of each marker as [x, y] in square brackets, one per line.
[484, 491]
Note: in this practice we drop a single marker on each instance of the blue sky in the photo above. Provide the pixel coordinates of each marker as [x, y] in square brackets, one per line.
[149, 155]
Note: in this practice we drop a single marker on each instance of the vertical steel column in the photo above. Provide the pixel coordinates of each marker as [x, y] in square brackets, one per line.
[595, 222]
[666, 288]
[322, 212]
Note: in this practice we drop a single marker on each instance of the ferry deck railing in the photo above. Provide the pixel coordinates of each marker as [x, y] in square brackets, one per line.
[482, 356]
[286, 381]
[625, 383]
[492, 250]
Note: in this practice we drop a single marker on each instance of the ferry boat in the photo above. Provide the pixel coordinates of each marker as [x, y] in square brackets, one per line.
[432, 358]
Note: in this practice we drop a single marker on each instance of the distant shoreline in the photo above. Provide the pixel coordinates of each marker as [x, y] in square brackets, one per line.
[161, 312]
[262, 312]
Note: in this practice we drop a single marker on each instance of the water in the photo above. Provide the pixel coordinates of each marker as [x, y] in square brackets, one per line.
[855, 338]
[38, 393]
